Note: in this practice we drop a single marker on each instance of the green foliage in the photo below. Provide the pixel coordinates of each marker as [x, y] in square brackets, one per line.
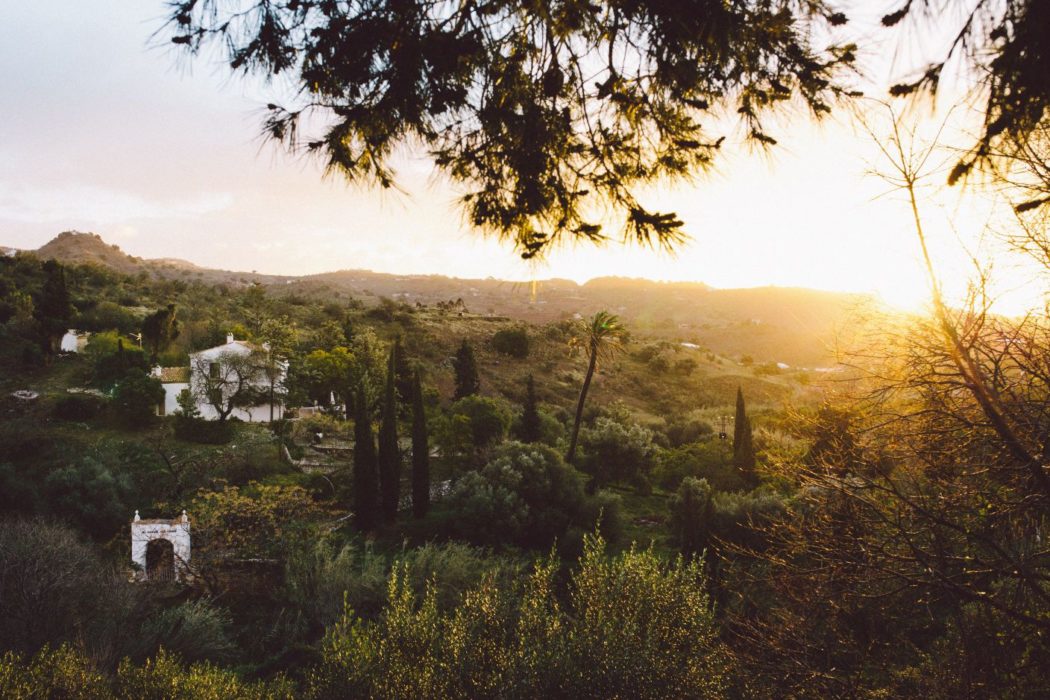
[196, 630]
[159, 329]
[135, 398]
[204, 432]
[78, 407]
[525, 495]
[530, 429]
[52, 307]
[366, 467]
[743, 442]
[511, 341]
[112, 356]
[389, 453]
[420, 453]
[466, 372]
[691, 515]
[710, 460]
[632, 627]
[89, 494]
[488, 418]
[616, 449]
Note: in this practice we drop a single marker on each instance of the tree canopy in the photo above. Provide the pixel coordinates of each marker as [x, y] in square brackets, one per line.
[543, 112]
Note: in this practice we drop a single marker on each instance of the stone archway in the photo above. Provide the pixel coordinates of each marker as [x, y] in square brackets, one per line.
[160, 561]
[160, 549]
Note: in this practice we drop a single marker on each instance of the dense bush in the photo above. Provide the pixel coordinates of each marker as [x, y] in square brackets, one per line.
[616, 449]
[632, 627]
[78, 407]
[136, 397]
[511, 341]
[710, 460]
[488, 418]
[205, 432]
[525, 495]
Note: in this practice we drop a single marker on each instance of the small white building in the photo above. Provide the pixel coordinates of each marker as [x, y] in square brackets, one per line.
[74, 341]
[160, 549]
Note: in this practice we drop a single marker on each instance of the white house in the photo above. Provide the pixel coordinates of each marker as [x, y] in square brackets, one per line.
[74, 341]
[236, 369]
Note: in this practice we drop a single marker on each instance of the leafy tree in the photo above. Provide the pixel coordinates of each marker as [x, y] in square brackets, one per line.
[488, 418]
[511, 341]
[389, 454]
[544, 114]
[226, 382]
[617, 449]
[159, 329]
[136, 397]
[526, 495]
[691, 515]
[743, 441]
[420, 453]
[604, 334]
[530, 418]
[466, 369]
[366, 474]
[52, 308]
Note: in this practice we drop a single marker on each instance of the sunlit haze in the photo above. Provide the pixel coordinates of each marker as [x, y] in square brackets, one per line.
[106, 131]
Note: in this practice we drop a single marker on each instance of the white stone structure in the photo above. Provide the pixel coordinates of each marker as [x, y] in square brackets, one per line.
[74, 341]
[161, 548]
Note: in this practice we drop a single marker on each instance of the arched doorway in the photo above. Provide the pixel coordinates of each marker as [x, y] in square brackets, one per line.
[160, 560]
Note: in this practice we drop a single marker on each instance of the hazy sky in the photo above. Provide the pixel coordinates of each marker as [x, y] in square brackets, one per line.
[106, 131]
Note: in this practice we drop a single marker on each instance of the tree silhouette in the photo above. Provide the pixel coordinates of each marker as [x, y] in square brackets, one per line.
[530, 417]
[420, 453]
[604, 333]
[543, 112]
[53, 308]
[466, 368]
[159, 329]
[743, 442]
[389, 457]
[366, 478]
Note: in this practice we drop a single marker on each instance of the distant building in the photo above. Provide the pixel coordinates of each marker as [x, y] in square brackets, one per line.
[236, 368]
[74, 341]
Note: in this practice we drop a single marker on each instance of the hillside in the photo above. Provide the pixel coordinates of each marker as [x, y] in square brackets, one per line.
[798, 327]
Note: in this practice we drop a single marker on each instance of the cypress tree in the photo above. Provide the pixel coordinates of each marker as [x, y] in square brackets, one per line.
[420, 453]
[366, 480]
[466, 367]
[530, 417]
[389, 459]
[743, 444]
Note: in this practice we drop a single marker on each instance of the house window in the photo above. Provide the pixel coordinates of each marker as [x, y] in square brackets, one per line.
[213, 370]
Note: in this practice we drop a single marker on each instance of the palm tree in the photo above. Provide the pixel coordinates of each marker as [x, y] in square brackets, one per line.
[604, 334]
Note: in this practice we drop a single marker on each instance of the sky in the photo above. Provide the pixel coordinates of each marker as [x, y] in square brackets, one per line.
[107, 129]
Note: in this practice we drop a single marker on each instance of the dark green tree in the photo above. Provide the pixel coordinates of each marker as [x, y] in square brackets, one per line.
[159, 329]
[743, 442]
[52, 309]
[136, 397]
[389, 457]
[420, 452]
[466, 368]
[531, 429]
[366, 477]
[691, 515]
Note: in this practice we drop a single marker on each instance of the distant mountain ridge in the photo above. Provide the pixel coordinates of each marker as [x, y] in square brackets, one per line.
[792, 325]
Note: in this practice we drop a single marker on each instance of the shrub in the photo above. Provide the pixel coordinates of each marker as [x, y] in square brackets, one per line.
[489, 418]
[526, 495]
[136, 397]
[511, 341]
[710, 460]
[82, 407]
[202, 431]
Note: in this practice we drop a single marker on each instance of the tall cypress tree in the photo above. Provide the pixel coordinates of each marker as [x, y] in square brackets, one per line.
[466, 367]
[366, 479]
[530, 417]
[53, 308]
[743, 443]
[420, 453]
[389, 459]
